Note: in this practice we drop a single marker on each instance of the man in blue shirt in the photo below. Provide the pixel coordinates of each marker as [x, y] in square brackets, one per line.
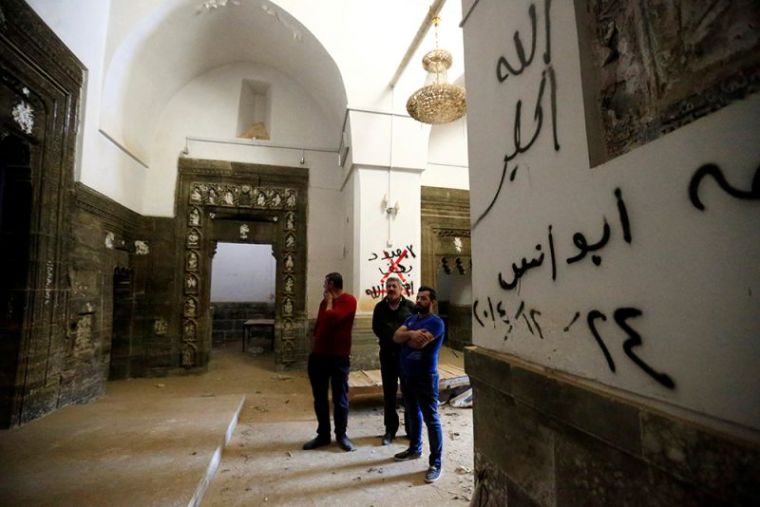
[422, 337]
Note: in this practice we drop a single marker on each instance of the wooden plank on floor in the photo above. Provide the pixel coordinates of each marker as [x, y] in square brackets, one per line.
[370, 382]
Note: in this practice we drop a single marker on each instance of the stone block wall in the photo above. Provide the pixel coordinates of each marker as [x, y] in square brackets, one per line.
[560, 443]
[459, 326]
[228, 319]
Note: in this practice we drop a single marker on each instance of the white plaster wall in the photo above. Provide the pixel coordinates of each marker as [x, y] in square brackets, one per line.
[82, 26]
[382, 238]
[447, 156]
[693, 275]
[243, 273]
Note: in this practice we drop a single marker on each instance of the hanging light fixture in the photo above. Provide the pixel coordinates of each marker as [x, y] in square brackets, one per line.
[438, 101]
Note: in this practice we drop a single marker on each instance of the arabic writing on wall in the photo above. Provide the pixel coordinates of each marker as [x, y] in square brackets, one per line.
[393, 262]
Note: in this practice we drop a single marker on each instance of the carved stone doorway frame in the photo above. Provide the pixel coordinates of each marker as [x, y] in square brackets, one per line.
[270, 198]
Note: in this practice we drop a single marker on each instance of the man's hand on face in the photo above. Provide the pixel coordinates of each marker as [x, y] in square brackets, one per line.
[328, 296]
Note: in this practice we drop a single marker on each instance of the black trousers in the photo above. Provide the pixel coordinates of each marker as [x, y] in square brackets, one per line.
[332, 371]
[390, 372]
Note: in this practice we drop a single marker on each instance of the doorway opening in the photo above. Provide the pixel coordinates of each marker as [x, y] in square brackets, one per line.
[454, 287]
[243, 288]
[15, 222]
[122, 332]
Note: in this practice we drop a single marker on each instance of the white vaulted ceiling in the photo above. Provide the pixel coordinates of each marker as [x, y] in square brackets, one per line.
[164, 45]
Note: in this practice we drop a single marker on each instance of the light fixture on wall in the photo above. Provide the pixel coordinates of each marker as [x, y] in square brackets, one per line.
[438, 101]
[390, 210]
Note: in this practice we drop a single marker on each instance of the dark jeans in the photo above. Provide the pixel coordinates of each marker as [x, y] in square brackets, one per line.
[390, 371]
[421, 401]
[324, 370]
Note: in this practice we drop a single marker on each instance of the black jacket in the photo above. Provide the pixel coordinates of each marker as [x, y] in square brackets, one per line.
[385, 321]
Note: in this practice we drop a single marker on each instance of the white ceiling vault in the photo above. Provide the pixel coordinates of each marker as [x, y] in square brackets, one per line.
[342, 52]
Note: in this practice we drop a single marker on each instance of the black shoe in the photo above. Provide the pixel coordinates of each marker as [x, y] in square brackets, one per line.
[345, 443]
[407, 455]
[316, 442]
[433, 474]
[388, 438]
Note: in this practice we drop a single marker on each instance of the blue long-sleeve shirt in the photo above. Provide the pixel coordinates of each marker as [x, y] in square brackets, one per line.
[424, 360]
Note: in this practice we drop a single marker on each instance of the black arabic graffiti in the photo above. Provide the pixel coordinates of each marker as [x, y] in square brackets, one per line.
[519, 269]
[378, 291]
[389, 255]
[713, 170]
[538, 113]
[621, 316]
[529, 317]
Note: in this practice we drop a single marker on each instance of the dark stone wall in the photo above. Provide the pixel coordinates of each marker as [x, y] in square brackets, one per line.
[228, 319]
[459, 326]
[558, 443]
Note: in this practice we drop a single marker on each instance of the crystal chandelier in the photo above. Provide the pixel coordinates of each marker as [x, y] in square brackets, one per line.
[438, 101]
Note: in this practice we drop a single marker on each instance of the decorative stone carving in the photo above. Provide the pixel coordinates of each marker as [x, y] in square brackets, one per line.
[23, 115]
[188, 330]
[193, 238]
[192, 261]
[110, 237]
[244, 199]
[290, 198]
[289, 285]
[191, 307]
[194, 217]
[261, 199]
[191, 283]
[188, 354]
[243, 195]
[160, 327]
[290, 221]
[287, 307]
[290, 241]
[288, 262]
[229, 197]
[141, 248]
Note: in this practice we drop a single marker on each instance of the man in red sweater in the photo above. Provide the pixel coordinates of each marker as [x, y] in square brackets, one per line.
[329, 363]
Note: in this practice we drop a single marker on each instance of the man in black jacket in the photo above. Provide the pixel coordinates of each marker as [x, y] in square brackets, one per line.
[388, 316]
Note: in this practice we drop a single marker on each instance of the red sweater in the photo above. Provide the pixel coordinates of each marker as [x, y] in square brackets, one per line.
[332, 332]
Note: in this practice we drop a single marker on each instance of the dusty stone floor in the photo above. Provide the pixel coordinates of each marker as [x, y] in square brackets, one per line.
[264, 464]
[151, 441]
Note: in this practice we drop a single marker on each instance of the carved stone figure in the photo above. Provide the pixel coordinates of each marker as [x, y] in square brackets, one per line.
[110, 237]
[290, 240]
[141, 248]
[160, 326]
[195, 194]
[188, 355]
[192, 261]
[195, 217]
[191, 283]
[211, 196]
[244, 229]
[287, 307]
[290, 221]
[188, 330]
[276, 200]
[289, 284]
[290, 200]
[193, 237]
[191, 307]
[261, 199]
[289, 264]
[229, 199]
